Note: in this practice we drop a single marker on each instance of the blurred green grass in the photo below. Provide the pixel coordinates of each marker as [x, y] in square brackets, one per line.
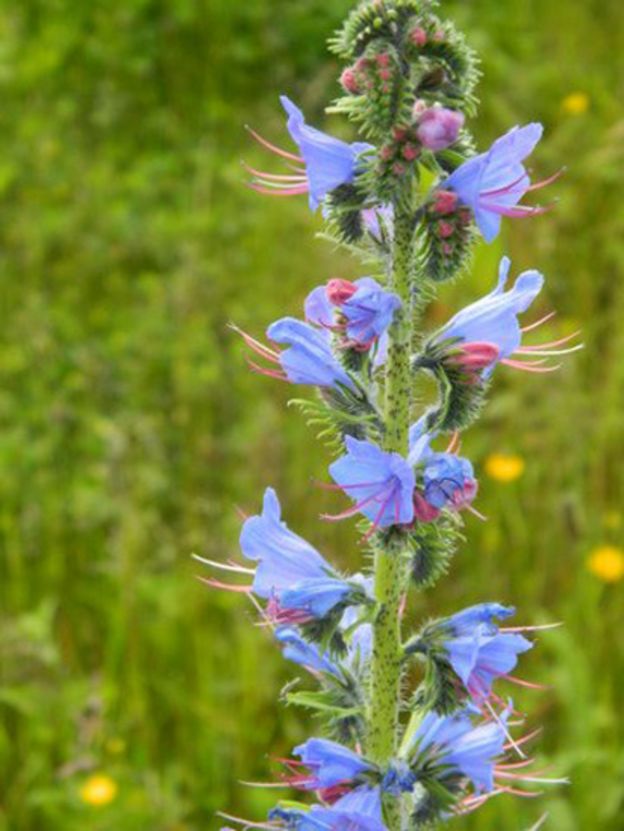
[130, 429]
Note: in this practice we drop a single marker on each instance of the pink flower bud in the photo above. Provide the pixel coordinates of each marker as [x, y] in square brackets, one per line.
[383, 59]
[465, 497]
[419, 108]
[418, 36]
[473, 358]
[447, 249]
[438, 127]
[338, 291]
[445, 229]
[398, 169]
[385, 74]
[423, 511]
[399, 133]
[387, 152]
[445, 202]
[410, 152]
[349, 82]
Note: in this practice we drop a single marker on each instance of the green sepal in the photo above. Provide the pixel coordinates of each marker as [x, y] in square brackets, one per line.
[447, 256]
[431, 549]
[461, 397]
[340, 703]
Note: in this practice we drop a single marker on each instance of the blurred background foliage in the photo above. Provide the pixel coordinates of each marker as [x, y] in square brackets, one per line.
[131, 697]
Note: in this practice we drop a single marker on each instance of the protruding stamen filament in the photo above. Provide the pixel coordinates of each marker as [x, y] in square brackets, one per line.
[539, 322]
[277, 150]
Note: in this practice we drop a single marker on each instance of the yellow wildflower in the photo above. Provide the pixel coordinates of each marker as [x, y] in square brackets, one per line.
[577, 103]
[607, 563]
[98, 790]
[504, 467]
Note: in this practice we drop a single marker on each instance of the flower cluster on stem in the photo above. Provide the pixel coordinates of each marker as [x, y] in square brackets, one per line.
[393, 759]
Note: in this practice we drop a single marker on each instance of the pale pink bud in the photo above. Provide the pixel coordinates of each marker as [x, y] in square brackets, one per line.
[418, 36]
[446, 229]
[445, 202]
[338, 291]
[423, 511]
[438, 127]
[349, 82]
[410, 152]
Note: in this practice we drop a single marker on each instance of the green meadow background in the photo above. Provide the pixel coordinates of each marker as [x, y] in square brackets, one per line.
[130, 429]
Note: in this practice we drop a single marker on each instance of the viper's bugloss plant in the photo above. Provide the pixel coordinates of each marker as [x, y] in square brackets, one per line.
[411, 196]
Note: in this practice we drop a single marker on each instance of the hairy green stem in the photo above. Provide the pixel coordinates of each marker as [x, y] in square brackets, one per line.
[384, 703]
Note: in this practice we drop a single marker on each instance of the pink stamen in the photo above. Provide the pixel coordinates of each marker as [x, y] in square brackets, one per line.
[550, 344]
[505, 188]
[524, 794]
[528, 684]
[274, 191]
[544, 627]
[217, 584]
[476, 513]
[277, 150]
[256, 345]
[234, 567]
[517, 212]
[524, 740]
[548, 181]
[270, 373]
[276, 177]
[539, 322]
[454, 442]
[527, 368]
[503, 727]
[550, 353]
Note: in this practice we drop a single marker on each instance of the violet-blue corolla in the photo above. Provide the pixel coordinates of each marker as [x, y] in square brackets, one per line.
[447, 745]
[330, 764]
[359, 646]
[365, 310]
[296, 649]
[380, 483]
[444, 480]
[358, 810]
[308, 358]
[493, 183]
[325, 162]
[489, 328]
[455, 743]
[291, 575]
[479, 651]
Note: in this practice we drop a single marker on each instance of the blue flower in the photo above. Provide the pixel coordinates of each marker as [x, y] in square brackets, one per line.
[369, 311]
[366, 311]
[307, 655]
[444, 479]
[330, 763]
[454, 742]
[478, 651]
[290, 571]
[329, 162]
[309, 360]
[494, 318]
[493, 183]
[382, 484]
[359, 810]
